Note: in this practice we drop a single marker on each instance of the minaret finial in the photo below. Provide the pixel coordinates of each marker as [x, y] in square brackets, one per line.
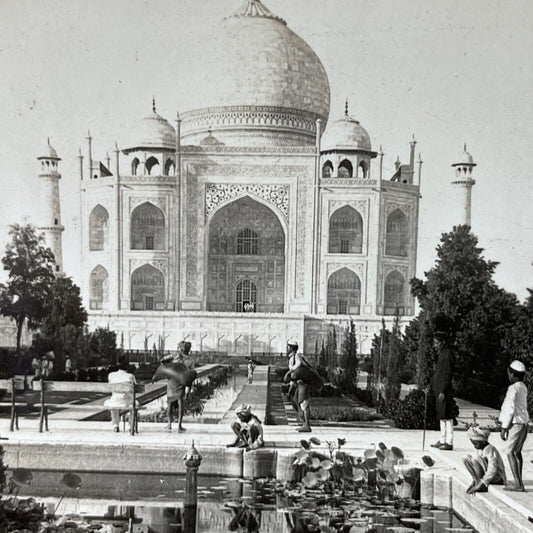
[153, 104]
[346, 108]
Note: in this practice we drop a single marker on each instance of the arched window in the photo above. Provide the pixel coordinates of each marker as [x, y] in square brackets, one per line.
[363, 170]
[397, 238]
[345, 169]
[169, 167]
[344, 293]
[134, 166]
[394, 294]
[152, 166]
[247, 242]
[147, 228]
[327, 169]
[245, 297]
[147, 289]
[98, 228]
[346, 231]
[99, 288]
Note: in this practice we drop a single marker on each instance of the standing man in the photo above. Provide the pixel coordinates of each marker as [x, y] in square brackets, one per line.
[442, 384]
[299, 375]
[514, 419]
[251, 368]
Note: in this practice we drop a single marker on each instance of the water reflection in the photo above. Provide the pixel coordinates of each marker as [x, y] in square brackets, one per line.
[154, 504]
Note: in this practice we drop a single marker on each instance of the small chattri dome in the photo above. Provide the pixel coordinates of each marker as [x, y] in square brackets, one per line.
[464, 158]
[345, 134]
[153, 131]
[48, 152]
[210, 140]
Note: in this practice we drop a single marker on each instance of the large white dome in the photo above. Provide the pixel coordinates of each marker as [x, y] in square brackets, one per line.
[256, 73]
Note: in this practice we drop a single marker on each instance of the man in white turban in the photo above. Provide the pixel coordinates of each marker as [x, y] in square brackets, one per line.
[248, 430]
[486, 465]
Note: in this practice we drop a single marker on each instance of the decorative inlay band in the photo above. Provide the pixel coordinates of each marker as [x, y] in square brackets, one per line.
[354, 267]
[218, 193]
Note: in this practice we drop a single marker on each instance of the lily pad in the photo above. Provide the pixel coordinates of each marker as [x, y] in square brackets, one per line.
[428, 461]
[397, 452]
[21, 476]
[71, 481]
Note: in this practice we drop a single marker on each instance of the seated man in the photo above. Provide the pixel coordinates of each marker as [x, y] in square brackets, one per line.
[486, 466]
[248, 430]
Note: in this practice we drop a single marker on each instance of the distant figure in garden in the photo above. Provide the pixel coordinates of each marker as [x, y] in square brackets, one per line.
[68, 365]
[50, 366]
[120, 400]
[44, 367]
[36, 365]
[301, 375]
[251, 368]
[179, 374]
[442, 384]
[486, 465]
[514, 419]
[248, 430]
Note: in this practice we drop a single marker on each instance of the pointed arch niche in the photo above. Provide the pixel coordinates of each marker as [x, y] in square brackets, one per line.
[147, 228]
[394, 294]
[147, 289]
[98, 288]
[98, 228]
[346, 231]
[246, 243]
[397, 239]
[344, 293]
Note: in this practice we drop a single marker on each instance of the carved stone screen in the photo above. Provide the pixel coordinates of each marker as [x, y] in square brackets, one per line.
[397, 240]
[98, 228]
[346, 224]
[246, 259]
[147, 228]
[344, 293]
[147, 289]
[394, 299]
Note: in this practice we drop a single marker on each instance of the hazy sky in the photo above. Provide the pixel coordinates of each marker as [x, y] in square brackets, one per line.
[449, 71]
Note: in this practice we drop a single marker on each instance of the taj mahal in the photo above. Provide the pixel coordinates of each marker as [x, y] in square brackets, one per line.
[258, 216]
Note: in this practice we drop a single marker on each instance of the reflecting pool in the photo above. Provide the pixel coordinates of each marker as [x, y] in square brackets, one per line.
[154, 504]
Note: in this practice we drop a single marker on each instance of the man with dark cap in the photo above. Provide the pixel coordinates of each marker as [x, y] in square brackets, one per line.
[442, 383]
[300, 375]
[179, 375]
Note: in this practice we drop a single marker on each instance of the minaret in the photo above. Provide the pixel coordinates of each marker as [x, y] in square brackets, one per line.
[50, 222]
[463, 183]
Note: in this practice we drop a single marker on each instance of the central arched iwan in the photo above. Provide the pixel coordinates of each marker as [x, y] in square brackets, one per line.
[246, 259]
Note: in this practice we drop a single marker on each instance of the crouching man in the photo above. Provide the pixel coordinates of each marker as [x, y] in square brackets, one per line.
[248, 430]
[486, 465]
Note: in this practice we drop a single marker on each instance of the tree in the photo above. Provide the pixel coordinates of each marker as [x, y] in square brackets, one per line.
[348, 358]
[30, 267]
[104, 343]
[379, 351]
[426, 356]
[64, 320]
[331, 351]
[460, 288]
[394, 383]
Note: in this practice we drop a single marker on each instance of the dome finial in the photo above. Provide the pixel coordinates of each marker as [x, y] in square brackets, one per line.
[465, 147]
[346, 108]
[153, 104]
[254, 8]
